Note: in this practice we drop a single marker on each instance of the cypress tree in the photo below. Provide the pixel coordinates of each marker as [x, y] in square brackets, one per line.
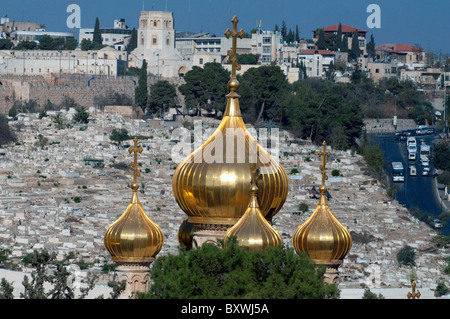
[133, 41]
[141, 91]
[321, 45]
[355, 51]
[339, 41]
[297, 34]
[97, 38]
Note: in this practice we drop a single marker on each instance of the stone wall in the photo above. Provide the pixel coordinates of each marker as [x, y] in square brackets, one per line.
[41, 91]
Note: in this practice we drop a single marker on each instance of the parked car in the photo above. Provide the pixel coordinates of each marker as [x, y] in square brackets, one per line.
[412, 170]
[426, 171]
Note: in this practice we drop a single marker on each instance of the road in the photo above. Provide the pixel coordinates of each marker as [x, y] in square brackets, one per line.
[417, 191]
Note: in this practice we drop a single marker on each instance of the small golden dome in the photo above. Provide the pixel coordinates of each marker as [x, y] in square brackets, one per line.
[134, 237]
[185, 234]
[253, 231]
[211, 184]
[322, 236]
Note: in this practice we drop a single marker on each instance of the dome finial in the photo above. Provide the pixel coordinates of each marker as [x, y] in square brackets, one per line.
[233, 84]
[134, 164]
[324, 154]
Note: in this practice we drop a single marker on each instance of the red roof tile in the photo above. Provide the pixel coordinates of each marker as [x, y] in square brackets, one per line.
[394, 47]
[345, 28]
[311, 52]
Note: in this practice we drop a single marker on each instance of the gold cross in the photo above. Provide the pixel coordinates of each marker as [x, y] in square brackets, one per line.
[325, 153]
[232, 53]
[134, 164]
[414, 294]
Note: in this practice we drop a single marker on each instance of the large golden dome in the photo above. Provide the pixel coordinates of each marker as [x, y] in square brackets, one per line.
[322, 236]
[253, 231]
[211, 184]
[134, 237]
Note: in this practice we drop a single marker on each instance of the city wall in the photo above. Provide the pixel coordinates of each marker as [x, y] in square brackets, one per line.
[82, 89]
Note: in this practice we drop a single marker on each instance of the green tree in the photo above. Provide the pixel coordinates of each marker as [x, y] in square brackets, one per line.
[6, 290]
[206, 87]
[406, 256]
[355, 51]
[371, 46]
[283, 30]
[12, 111]
[133, 41]
[297, 34]
[339, 42]
[119, 135]
[162, 97]
[211, 272]
[141, 91]
[87, 44]
[247, 59]
[321, 44]
[6, 44]
[371, 295]
[26, 45]
[70, 44]
[97, 36]
[441, 156]
[262, 90]
[6, 134]
[81, 116]
[46, 43]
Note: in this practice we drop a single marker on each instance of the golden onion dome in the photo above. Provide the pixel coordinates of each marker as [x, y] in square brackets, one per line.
[322, 236]
[185, 234]
[211, 184]
[253, 231]
[134, 237]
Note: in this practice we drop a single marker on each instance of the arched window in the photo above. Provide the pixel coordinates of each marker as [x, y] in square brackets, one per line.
[154, 40]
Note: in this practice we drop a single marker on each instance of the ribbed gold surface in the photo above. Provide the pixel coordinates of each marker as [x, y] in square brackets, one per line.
[322, 236]
[214, 192]
[134, 237]
[253, 231]
[185, 234]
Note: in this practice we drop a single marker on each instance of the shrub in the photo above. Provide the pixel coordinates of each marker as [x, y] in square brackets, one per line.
[335, 172]
[212, 272]
[406, 256]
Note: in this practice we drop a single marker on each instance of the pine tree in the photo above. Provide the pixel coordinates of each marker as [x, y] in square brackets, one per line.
[97, 37]
[141, 91]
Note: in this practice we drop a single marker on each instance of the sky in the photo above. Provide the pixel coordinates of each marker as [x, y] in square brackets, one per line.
[422, 22]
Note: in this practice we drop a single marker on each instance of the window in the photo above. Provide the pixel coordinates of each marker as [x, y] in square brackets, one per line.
[267, 40]
[167, 41]
[154, 40]
[377, 70]
[200, 61]
[265, 58]
[267, 49]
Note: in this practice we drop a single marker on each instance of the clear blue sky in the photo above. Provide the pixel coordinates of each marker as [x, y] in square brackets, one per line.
[426, 22]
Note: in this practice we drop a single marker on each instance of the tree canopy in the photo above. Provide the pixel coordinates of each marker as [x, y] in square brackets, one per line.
[206, 87]
[162, 96]
[262, 90]
[273, 273]
[6, 134]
